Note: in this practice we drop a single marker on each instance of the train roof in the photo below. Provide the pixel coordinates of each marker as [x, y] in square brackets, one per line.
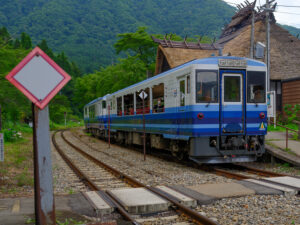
[210, 60]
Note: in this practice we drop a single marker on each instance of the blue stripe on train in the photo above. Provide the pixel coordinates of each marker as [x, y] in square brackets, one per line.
[186, 123]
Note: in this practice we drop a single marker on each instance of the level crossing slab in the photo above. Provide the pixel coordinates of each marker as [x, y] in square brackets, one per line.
[285, 190]
[183, 199]
[223, 190]
[291, 181]
[201, 198]
[139, 200]
[100, 205]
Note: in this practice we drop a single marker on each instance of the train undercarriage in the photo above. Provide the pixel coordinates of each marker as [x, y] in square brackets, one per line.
[222, 149]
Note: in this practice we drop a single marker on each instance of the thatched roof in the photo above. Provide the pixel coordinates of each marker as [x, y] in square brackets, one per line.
[241, 19]
[168, 58]
[235, 39]
[285, 49]
[184, 44]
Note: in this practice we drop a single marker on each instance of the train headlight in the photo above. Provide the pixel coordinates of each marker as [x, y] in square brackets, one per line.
[262, 115]
[200, 116]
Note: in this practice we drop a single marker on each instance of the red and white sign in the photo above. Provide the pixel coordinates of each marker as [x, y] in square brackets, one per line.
[38, 77]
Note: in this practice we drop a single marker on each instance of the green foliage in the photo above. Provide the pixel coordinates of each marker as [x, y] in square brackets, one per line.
[70, 222]
[138, 43]
[15, 106]
[292, 112]
[108, 80]
[24, 178]
[87, 30]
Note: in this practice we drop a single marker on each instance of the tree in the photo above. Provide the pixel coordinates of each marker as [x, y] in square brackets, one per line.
[138, 44]
[44, 46]
[26, 41]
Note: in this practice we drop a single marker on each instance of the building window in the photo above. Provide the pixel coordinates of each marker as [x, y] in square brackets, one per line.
[259, 50]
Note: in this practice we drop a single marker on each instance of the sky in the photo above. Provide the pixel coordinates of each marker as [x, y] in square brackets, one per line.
[284, 15]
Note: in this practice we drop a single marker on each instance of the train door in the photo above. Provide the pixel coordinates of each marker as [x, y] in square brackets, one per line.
[232, 107]
[181, 103]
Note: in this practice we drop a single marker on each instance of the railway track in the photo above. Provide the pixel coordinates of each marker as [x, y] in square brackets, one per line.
[233, 171]
[85, 176]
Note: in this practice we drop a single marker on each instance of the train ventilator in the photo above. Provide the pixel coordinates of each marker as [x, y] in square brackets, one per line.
[212, 110]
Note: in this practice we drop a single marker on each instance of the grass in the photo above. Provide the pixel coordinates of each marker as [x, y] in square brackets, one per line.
[70, 124]
[278, 128]
[17, 169]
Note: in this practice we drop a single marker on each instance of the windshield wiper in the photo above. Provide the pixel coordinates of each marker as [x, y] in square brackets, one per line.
[256, 104]
[208, 103]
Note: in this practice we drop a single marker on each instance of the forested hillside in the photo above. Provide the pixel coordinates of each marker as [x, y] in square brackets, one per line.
[15, 106]
[86, 29]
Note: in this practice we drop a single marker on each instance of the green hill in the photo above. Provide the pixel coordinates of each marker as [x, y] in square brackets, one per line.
[86, 29]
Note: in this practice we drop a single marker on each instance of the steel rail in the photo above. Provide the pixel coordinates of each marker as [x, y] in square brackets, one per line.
[89, 182]
[222, 172]
[197, 217]
[259, 171]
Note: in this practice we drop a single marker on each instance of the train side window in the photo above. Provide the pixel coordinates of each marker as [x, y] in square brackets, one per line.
[128, 104]
[92, 112]
[103, 104]
[206, 86]
[139, 102]
[188, 84]
[256, 87]
[119, 106]
[158, 104]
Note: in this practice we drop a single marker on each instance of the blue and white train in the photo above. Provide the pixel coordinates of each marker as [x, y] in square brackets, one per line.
[212, 110]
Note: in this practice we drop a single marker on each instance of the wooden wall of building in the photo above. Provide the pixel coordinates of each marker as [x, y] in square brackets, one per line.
[291, 92]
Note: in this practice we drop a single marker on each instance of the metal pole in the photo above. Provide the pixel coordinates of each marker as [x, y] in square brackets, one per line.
[144, 127]
[108, 126]
[287, 138]
[252, 35]
[43, 188]
[268, 41]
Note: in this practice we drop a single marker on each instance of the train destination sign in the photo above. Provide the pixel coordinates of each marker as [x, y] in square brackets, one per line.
[38, 77]
[233, 63]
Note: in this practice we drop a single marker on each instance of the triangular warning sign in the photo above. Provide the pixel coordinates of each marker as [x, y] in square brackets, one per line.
[262, 126]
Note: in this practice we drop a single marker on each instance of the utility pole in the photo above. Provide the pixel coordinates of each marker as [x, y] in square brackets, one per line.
[268, 42]
[252, 34]
[267, 7]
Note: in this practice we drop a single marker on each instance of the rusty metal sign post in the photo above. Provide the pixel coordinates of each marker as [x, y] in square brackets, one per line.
[39, 78]
[143, 95]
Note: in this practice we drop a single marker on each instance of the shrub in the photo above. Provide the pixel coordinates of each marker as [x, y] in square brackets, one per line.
[291, 112]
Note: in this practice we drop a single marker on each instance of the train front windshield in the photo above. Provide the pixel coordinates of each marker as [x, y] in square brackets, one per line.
[256, 87]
